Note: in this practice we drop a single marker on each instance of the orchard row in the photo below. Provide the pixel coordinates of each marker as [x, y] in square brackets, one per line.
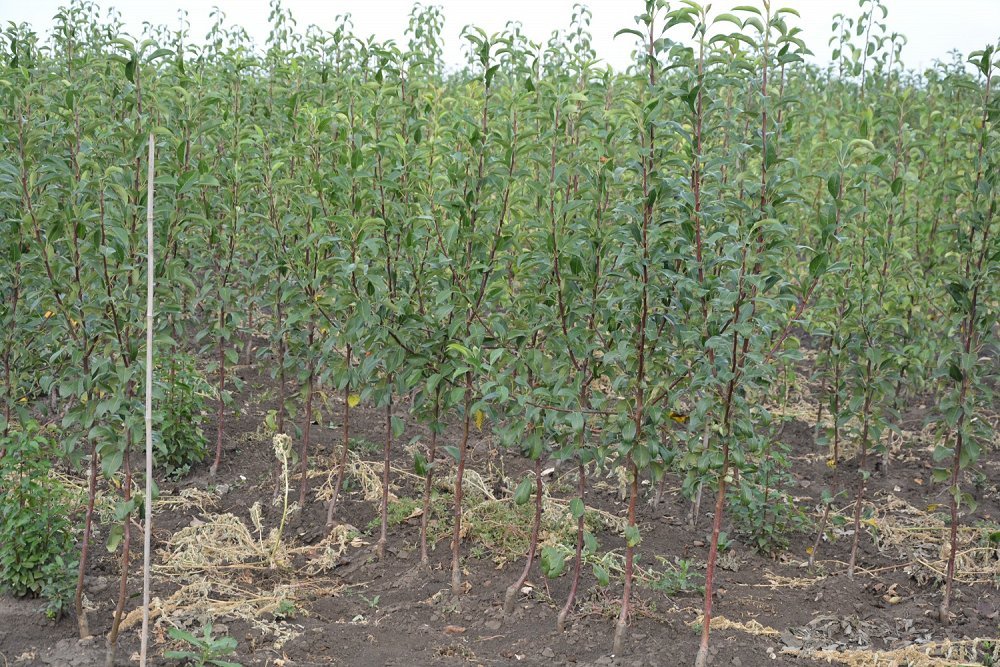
[608, 268]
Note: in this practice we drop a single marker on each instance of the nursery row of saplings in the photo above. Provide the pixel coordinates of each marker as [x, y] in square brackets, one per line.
[606, 266]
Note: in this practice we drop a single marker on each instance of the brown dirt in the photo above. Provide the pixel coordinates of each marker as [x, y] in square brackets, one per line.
[366, 612]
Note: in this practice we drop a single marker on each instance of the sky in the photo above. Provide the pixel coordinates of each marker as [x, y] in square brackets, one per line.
[932, 27]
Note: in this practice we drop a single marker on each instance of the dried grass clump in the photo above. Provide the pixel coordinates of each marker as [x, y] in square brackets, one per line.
[325, 555]
[368, 474]
[934, 654]
[923, 539]
[224, 540]
[210, 599]
[76, 486]
[188, 499]
[801, 405]
[504, 527]
[777, 581]
[752, 627]
[473, 484]
[217, 563]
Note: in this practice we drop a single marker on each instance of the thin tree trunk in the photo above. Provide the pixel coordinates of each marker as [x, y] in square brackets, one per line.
[713, 551]
[619, 640]
[306, 428]
[862, 484]
[512, 590]
[836, 412]
[281, 371]
[386, 456]
[456, 540]
[331, 509]
[661, 487]
[944, 614]
[112, 641]
[221, 413]
[578, 557]
[429, 483]
[696, 504]
[819, 536]
[969, 346]
[81, 612]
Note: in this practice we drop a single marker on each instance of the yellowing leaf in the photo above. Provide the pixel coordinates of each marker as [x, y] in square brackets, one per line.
[48, 314]
[678, 417]
[353, 400]
[479, 416]
[809, 551]
[830, 463]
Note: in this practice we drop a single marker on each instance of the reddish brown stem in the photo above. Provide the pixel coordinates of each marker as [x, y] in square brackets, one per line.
[88, 523]
[969, 345]
[112, 641]
[512, 590]
[456, 540]
[384, 532]
[306, 428]
[429, 483]
[819, 536]
[331, 509]
[619, 641]
[578, 557]
[863, 482]
[713, 552]
[281, 370]
[221, 413]
[944, 613]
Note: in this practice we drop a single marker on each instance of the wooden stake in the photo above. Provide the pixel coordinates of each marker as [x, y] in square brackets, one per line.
[148, 523]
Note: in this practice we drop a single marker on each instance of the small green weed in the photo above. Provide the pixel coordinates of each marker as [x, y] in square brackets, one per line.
[205, 650]
[36, 536]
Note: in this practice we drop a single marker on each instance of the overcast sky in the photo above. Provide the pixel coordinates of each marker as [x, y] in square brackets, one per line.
[932, 27]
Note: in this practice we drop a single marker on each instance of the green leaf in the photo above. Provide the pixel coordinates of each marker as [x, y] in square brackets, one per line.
[398, 427]
[818, 264]
[955, 373]
[590, 544]
[553, 562]
[420, 464]
[730, 18]
[959, 294]
[632, 536]
[630, 31]
[628, 431]
[115, 536]
[523, 492]
[896, 186]
[576, 421]
[833, 185]
[159, 53]
[601, 574]
[576, 507]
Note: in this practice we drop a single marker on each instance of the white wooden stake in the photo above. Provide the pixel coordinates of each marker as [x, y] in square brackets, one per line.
[148, 523]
